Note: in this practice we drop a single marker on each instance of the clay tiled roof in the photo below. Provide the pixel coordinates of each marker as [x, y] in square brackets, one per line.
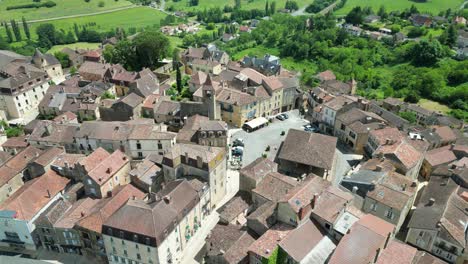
[70, 159]
[405, 153]
[48, 131]
[361, 244]
[311, 149]
[453, 221]
[108, 167]
[94, 68]
[230, 240]
[446, 133]
[205, 62]
[133, 100]
[440, 156]
[253, 75]
[206, 153]
[397, 253]
[65, 117]
[302, 240]
[390, 197]
[259, 168]
[17, 164]
[150, 101]
[91, 161]
[268, 242]
[28, 200]
[234, 207]
[93, 54]
[157, 217]
[326, 75]
[393, 101]
[423, 257]
[234, 97]
[198, 78]
[78, 210]
[274, 186]
[338, 102]
[388, 133]
[330, 203]
[166, 107]
[107, 206]
[273, 83]
[302, 194]
[16, 142]
[48, 156]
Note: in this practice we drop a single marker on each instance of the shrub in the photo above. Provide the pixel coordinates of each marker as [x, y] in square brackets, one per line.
[47, 4]
[101, 4]
[411, 117]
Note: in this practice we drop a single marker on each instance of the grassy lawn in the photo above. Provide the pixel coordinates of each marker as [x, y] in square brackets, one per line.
[245, 4]
[78, 45]
[434, 106]
[63, 8]
[139, 17]
[432, 6]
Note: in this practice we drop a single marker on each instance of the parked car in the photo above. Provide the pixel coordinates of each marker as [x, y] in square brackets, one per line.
[280, 117]
[237, 151]
[238, 142]
[286, 116]
[311, 128]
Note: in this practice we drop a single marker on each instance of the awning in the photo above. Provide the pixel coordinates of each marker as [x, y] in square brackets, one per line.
[257, 122]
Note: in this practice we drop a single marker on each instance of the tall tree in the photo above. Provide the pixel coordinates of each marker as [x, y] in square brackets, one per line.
[76, 29]
[267, 9]
[3, 44]
[382, 12]
[8, 32]
[151, 47]
[273, 8]
[238, 4]
[452, 35]
[175, 59]
[26, 28]
[179, 80]
[16, 30]
[47, 35]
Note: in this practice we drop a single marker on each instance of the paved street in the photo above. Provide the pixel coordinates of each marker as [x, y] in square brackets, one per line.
[257, 141]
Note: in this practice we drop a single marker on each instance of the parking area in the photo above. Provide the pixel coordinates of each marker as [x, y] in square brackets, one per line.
[256, 142]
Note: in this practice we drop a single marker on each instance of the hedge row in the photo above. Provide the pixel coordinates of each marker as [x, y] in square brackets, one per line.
[33, 5]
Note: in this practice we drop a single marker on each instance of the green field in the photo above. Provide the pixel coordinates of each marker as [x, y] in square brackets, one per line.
[245, 4]
[78, 45]
[433, 106]
[63, 8]
[431, 6]
[138, 17]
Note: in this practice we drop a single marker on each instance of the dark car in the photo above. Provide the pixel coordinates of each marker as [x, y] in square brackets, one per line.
[280, 117]
[286, 116]
[311, 128]
[238, 142]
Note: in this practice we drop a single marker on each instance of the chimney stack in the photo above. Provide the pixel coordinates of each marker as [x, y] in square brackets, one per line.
[314, 201]
[48, 194]
[431, 201]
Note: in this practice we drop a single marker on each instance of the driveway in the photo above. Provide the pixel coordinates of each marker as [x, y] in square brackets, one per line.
[257, 141]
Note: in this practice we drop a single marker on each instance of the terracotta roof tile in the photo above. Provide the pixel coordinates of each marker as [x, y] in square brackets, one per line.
[108, 167]
[28, 200]
[268, 242]
[308, 148]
